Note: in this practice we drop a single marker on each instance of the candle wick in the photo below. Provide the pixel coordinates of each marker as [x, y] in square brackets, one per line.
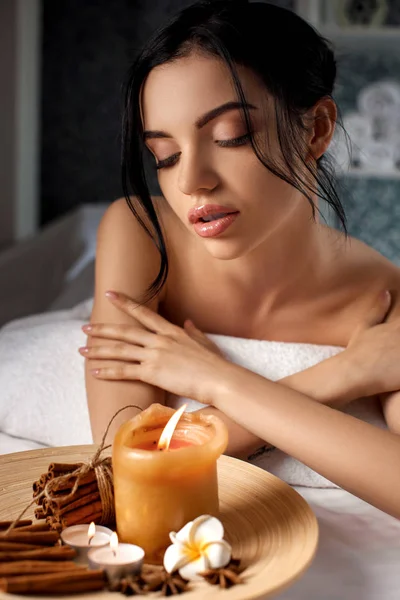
[90, 540]
[114, 553]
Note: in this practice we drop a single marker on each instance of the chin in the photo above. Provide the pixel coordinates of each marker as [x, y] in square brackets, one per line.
[225, 249]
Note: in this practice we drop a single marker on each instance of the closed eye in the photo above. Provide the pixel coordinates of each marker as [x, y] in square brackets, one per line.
[239, 141]
[232, 143]
[167, 162]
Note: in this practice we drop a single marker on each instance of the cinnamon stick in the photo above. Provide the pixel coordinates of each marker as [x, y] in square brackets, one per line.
[57, 486]
[54, 523]
[80, 503]
[56, 553]
[43, 479]
[73, 518]
[36, 567]
[22, 523]
[46, 507]
[54, 583]
[35, 527]
[84, 514]
[95, 517]
[63, 467]
[37, 488]
[82, 491]
[39, 513]
[44, 538]
[16, 547]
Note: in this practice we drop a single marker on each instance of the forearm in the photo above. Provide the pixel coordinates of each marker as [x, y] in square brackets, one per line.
[355, 455]
[330, 382]
[334, 382]
[241, 442]
[105, 398]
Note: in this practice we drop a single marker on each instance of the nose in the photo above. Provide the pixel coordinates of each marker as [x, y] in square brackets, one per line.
[196, 173]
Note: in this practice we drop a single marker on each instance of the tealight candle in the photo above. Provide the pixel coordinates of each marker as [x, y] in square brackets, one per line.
[159, 487]
[117, 560]
[83, 537]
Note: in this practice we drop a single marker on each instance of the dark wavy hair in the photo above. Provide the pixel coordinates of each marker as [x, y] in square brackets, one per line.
[296, 65]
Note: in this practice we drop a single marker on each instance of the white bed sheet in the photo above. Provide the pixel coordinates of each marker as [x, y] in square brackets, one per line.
[9, 443]
[52, 270]
[358, 557]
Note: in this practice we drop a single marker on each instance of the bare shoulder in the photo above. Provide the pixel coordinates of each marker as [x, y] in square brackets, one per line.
[374, 271]
[127, 259]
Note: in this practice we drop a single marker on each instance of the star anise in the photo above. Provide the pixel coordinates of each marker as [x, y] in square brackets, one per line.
[170, 584]
[225, 577]
[131, 585]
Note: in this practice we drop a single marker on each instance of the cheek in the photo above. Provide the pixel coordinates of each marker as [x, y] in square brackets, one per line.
[251, 178]
[176, 200]
[267, 198]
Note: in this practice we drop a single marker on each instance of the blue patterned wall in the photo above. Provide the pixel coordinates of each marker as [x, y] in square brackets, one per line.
[372, 204]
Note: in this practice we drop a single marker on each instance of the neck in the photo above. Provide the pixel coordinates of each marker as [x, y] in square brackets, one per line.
[289, 265]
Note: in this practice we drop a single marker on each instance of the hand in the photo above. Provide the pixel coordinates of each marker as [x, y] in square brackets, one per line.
[182, 361]
[374, 351]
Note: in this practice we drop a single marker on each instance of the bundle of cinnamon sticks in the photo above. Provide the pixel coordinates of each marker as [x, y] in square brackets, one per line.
[62, 509]
[33, 562]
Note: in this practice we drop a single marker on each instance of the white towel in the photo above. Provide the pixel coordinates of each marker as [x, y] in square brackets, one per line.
[275, 360]
[43, 396]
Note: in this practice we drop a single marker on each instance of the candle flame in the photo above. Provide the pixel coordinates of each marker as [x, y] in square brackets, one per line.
[91, 531]
[114, 542]
[168, 431]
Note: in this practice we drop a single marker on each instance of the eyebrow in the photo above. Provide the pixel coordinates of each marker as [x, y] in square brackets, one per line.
[203, 120]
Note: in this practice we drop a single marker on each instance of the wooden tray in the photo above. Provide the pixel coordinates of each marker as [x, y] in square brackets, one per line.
[271, 527]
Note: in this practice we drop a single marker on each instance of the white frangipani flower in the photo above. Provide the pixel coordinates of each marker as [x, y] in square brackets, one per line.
[198, 546]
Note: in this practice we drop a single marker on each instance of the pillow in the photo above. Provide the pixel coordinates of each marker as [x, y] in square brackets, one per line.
[43, 395]
[77, 290]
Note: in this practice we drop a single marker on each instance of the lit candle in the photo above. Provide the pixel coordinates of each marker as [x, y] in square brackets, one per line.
[117, 560]
[165, 474]
[83, 537]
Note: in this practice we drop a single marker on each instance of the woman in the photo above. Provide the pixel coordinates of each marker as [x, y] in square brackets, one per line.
[239, 124]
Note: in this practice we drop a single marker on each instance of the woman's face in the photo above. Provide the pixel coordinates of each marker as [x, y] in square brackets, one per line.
[207, 166]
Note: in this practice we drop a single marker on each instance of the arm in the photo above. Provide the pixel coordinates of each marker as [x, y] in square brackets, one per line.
[127, 259]
[331, 382]
[335, 382]
[357, 456]
[391, 402]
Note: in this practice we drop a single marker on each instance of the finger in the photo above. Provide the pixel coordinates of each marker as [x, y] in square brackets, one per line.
[144, 315]
[120, 351]
[118, 372]
[197, 335]
[379, 310]
[123, 333]
[191, 328]
[376, 315]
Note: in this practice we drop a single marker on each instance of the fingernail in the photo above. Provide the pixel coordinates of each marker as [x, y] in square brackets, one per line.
[87, 327]
[112, 295]
[84, 349]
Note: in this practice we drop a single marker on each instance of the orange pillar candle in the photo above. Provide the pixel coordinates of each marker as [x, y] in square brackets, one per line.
[160, 490]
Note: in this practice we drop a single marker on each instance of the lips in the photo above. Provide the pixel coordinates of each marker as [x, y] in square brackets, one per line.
[209, 213]
[210, 220]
